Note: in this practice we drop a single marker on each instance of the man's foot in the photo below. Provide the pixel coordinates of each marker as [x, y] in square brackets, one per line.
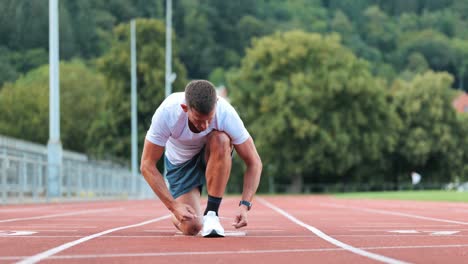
[211, 225]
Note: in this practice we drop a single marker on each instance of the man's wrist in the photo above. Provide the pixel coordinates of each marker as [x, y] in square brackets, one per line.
[171, 205]
[245, 203]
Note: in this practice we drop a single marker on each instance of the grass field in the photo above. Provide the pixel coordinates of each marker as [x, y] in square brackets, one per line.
[450, 196]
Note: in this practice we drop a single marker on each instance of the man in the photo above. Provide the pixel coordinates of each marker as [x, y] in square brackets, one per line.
[198, 131]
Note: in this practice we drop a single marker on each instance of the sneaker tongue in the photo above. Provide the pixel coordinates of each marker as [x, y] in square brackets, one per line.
[211, 213]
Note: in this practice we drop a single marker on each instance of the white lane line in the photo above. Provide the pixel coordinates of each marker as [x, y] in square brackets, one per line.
[405, 225]
[305, 238]
[35, 208]
[59, 215]
[184, 253]
[16, 233]
[158, 236]
[41, 256]
[394, 213]
[49, 230]
[330, 239]
[44, 226]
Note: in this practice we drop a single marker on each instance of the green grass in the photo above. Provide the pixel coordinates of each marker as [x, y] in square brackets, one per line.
[449, 196]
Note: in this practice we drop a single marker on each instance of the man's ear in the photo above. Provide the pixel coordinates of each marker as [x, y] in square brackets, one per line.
[184, 107]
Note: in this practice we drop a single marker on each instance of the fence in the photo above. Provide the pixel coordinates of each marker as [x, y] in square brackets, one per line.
[24, 170]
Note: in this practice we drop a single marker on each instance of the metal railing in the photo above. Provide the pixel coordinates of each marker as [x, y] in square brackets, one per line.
[24, 170]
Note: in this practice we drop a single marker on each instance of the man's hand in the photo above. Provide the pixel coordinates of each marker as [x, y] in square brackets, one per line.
[241, 218]
[183, 212]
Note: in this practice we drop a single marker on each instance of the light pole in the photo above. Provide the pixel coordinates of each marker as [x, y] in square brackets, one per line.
[54, 146]
[170, 76]
[134, 106]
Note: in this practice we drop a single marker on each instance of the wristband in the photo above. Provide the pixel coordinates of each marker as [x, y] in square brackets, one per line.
[246, 203]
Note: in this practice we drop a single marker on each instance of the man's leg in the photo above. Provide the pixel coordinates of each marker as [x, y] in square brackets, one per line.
[193, 226]
[218, 167]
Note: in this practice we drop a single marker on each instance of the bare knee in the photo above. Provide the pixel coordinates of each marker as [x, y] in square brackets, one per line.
[190, 228]
[219, 141]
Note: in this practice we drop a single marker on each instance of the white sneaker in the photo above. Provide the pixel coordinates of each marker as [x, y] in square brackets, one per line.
[211, 225]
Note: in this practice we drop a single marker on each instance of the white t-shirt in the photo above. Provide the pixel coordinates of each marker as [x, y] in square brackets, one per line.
[169, 128]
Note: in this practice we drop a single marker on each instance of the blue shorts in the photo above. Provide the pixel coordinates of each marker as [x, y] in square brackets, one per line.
[184, 177]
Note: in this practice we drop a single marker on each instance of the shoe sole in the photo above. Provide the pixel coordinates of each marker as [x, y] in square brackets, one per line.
[213, 233]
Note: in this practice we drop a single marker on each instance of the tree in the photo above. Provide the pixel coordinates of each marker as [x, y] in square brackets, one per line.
[341, 24]
[462, 174]
[416, 64]
[111, 131]
[24, 105]
[427, 142]
[378, 29]
[443, 21]
[434, 46]
[461, 60]
[210, 33]
[7, 68]
[313, 108]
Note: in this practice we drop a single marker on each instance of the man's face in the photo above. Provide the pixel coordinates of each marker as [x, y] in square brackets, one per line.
[199, 122]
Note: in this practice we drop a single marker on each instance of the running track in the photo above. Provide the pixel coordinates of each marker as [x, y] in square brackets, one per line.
[282, 229]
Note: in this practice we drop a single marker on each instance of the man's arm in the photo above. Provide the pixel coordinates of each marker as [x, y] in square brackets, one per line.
[248, 153]
[151, 155]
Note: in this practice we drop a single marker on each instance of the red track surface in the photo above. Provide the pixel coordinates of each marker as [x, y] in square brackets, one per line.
[294, 229]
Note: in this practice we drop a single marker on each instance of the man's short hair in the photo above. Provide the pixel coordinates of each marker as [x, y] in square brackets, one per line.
[201, 96]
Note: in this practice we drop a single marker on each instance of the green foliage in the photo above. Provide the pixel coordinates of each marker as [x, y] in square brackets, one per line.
[217, 77]
[312, 99]
[214, 34]
[313, 107]
[428, 140]
[24, 24]
[461, 165]
[111, 131]
[461, 62]
[378, 29]
[7, 67]
[24, 105]
[434, 46]
[341, 24]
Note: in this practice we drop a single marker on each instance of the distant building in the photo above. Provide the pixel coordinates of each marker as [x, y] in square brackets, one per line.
[461, 103]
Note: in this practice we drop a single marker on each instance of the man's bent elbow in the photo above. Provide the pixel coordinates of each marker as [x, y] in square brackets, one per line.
[143, 168]
[259, 165]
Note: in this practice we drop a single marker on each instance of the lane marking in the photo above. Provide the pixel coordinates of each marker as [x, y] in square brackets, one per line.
[404, 231]
[177, 253]
[441, 233]
[432, 233]
[48, 230]
[32, 208]
[226, 233]
[330, 239]
[159, 236]
[393, 235]
[249, 236]
[41, 256]
[394, 213]
[59, 215]
[16, 233]
[407, 225]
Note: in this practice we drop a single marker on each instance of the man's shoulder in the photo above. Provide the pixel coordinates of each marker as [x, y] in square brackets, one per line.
[172, 103]
[174, 99]
[224, 104]
[225, 111]
[170, 109]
